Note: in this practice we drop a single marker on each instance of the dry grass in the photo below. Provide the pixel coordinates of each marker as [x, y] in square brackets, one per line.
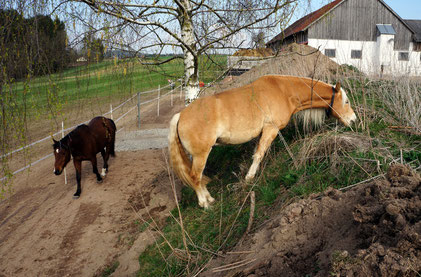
[402, 102]
[332, 145]
[296, 60]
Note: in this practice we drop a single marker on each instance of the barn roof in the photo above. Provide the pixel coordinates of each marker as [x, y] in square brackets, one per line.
[416, 27]
[303, 23]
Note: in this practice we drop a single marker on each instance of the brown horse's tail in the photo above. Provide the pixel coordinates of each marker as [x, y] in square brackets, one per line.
[112, 129]
[178, 158]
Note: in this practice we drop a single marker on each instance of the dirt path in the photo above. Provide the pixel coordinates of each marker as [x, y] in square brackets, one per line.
[44, 232]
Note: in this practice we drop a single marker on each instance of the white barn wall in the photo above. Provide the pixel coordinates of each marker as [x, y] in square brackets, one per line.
[374, 53]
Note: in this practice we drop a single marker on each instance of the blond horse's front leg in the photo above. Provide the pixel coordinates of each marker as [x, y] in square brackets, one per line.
[268, 135]
[200, 181]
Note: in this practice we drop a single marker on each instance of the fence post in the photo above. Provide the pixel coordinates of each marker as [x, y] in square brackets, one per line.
[159, 95]
[138, 110]
[62, 136]
[172, 91]
[111, 111]
[181, 90]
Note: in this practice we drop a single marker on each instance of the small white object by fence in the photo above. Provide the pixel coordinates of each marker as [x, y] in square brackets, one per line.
[138, 110]
[62, 136]
[159, 96]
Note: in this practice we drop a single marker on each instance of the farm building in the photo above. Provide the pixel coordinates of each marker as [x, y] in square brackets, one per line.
[367, 34]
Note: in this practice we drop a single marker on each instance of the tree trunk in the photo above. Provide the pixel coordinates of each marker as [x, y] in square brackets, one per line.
[190, 55]
[190, 77]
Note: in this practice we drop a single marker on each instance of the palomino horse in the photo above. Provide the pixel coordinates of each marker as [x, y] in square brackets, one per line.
[238, 115]
[83, 143]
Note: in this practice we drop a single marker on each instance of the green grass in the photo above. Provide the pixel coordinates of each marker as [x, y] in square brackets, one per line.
[106, 81]
[110, 269]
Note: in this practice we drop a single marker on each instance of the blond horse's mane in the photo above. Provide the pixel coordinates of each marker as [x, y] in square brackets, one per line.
[311, 117]
[316, 117]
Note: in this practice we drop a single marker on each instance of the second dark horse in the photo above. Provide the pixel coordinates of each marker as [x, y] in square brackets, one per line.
[83, 143]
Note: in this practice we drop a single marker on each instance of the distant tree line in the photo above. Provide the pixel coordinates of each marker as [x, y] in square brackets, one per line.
[32, 46]
[93, 48]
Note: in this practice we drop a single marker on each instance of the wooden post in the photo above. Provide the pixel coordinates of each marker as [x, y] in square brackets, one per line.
[181, 90]
[111, 111]
[138, 110]
[159, 95]
[62, 136]
[172, 91]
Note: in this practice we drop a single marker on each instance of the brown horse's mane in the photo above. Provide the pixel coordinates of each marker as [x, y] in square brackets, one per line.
[74, 135]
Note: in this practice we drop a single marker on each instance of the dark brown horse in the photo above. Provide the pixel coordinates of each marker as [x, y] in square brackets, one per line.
[83, 143]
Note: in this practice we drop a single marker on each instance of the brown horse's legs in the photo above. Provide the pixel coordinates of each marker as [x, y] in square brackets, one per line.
[78, 167]
[95, 169]
[268, 135]
[199, 185]
[105, 155]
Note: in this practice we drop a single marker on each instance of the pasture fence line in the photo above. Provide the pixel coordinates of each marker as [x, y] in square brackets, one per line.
[62, 131]
[74, 126]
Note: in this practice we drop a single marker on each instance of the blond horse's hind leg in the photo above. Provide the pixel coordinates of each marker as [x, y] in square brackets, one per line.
[200, 181]
[268, 135]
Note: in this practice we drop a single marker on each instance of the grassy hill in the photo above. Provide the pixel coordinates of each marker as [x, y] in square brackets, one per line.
[388, 132]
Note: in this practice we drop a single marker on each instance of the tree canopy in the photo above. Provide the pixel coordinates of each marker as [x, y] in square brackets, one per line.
[34, 46]
[193, 28]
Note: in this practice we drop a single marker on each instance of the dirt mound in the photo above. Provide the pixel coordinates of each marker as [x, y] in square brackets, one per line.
[370, 230]
[296, 59]
[261, 52]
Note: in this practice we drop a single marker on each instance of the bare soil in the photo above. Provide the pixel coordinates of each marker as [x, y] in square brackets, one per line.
[371, 230]
[45, 232]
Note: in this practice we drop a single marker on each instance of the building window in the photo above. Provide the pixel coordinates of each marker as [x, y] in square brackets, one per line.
[356, 54]
[331, 53]
[403, 56]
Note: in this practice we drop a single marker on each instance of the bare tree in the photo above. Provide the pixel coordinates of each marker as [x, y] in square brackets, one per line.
[191, 27]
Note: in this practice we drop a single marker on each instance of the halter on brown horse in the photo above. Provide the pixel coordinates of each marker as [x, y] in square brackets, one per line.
[83, 143]
[238, 115]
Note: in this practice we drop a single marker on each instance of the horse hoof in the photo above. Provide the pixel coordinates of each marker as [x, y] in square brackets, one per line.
[211, 200]
[205, 205]
[99, 181]
[76, 196]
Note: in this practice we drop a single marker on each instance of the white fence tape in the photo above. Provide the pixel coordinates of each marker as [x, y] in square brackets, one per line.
[67, 129]
[29, 165]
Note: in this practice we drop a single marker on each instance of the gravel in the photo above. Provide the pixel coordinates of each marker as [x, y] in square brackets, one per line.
[142, 139]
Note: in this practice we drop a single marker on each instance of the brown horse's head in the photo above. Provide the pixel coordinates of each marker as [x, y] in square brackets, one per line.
[340, 106]
[62, 156]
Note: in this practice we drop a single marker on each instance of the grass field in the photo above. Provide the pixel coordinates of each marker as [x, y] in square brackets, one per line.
[107, 81]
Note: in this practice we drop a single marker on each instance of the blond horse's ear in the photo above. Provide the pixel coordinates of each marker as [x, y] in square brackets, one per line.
[338, 86]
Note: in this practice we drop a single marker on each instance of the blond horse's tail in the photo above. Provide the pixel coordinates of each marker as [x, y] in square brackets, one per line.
[178, 158]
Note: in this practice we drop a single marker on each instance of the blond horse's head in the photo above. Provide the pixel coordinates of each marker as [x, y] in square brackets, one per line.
[340, 106]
